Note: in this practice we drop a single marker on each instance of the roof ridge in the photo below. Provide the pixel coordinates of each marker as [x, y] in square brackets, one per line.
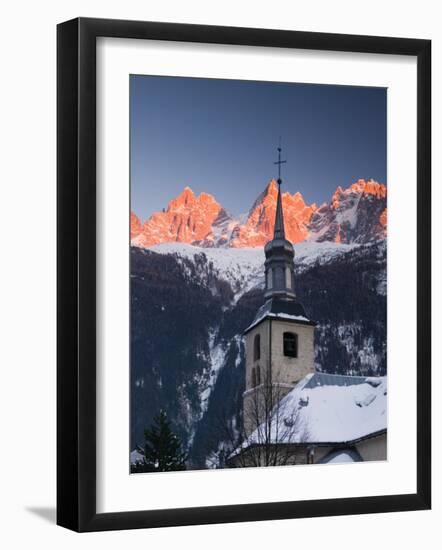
[350, 375]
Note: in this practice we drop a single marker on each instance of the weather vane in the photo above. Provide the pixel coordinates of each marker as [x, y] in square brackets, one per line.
[279, 162]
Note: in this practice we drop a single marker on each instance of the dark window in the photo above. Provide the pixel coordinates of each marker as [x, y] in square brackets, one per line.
[257, 347]
[253, 377]
[290, 344]
[258, 376]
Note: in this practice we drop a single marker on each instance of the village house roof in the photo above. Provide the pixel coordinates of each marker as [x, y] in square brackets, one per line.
[285, 310]
[329, 410]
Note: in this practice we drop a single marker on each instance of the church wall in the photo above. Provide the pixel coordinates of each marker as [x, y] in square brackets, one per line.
[263, 329]
[298, 456]
[285, 371]
[252, 398]
[290, 370]
[374, 448]
[370, 449]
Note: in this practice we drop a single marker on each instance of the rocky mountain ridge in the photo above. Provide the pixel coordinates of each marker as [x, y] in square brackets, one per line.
[357, 214]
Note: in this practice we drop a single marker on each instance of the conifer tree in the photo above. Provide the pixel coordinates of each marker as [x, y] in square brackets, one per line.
[162, 449]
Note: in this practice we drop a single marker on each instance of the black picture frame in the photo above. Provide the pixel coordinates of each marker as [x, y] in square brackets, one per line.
[77, 287]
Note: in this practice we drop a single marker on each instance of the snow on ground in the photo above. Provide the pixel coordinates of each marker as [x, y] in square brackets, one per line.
[243, 268]
[135, 457]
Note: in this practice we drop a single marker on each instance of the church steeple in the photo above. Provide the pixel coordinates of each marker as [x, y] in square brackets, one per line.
[279, 253]
[280, 339]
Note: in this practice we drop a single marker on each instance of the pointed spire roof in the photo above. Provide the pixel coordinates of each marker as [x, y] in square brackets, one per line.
[279, 232]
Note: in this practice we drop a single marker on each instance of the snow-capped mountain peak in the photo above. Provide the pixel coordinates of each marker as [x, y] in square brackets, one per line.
[187, 218]
[258, 228]
[135, 226]
[355, 214]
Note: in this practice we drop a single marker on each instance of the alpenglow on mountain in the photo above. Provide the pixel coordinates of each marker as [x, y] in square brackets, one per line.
[357, 214]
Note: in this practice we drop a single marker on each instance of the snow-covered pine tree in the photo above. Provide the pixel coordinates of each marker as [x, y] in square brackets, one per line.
[162, 450]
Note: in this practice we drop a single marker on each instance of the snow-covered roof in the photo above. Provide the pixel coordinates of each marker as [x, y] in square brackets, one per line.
[287, 310]
[329, 409]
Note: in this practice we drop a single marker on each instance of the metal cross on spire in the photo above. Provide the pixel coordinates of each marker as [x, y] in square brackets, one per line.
[279, 232]
[279, 162]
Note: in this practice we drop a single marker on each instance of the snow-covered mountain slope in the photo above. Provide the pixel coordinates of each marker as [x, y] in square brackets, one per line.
[357, 214]
[189, 309]
[242, 268]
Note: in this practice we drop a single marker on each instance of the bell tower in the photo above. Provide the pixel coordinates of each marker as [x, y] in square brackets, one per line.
[279, 265]
[280, 340]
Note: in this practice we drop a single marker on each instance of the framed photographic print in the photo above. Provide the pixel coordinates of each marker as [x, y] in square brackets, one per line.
[243, 331]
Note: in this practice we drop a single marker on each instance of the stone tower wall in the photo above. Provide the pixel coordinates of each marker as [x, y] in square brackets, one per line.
[285, 372]
[290, 370]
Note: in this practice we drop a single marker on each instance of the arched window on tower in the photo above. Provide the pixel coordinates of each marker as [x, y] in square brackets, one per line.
[257, 347]
[269, 279]
[258, 376]
[288, 277]
[279, 278]
[290, 344]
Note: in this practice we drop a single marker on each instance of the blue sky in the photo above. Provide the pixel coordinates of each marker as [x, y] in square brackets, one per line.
[220, 136]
